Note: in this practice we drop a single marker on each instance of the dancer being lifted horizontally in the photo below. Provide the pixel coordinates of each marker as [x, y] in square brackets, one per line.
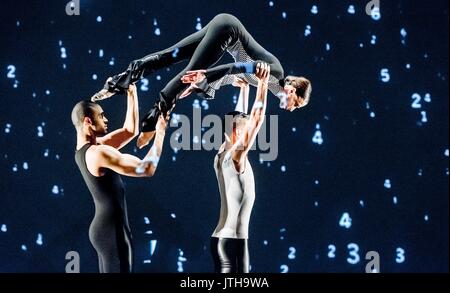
[203, 49]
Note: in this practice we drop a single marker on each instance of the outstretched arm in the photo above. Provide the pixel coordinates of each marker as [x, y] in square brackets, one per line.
[130, 129]
[242, 103]
[215, 73]
[242, 146]
[201, 80]
[129, 165]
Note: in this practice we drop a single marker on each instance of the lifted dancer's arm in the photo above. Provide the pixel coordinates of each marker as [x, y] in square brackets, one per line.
[200, 80]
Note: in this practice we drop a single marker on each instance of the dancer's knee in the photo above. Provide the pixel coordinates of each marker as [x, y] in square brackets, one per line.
[224, 22]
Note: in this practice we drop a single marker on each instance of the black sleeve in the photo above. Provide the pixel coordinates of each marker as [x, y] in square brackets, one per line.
[215, 73]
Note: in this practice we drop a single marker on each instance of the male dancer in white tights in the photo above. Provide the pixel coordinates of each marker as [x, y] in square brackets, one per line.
[229, 242]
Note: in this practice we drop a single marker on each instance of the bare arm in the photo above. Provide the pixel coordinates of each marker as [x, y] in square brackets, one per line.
[130, 129]
[214, 73]
[243, 145]
[242, 103]
[129, 165]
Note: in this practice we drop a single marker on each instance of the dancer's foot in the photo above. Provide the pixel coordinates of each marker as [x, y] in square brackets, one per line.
[104, 93]
[101, 95]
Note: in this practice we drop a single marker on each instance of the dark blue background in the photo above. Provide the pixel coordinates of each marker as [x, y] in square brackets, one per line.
[357, 155]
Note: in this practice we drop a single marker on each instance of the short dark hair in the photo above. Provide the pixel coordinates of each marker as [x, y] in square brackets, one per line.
[302, 85]
[81, 110]
[237, 116]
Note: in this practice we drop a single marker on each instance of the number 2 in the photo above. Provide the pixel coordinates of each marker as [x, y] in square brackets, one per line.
[11, 72]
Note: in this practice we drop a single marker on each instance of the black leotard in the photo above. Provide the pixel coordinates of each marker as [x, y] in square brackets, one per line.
[109, 231]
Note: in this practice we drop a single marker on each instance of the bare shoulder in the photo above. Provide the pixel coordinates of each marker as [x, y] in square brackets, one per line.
[99, 157]
[93, 160]
[99, 151]
[92, 155]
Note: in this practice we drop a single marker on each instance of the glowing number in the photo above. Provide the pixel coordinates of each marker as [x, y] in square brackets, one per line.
[291, 253]
[11, 72]
[205, 105]
[385, 77]
[180, 261]
[198, 26]
[63, 53]
[424, 116]
[196, 104]
[317, 138]
[284, 269]
[416, 103]
[331, 253]
[353, 253]
[345, 221]
[153, 246]
[400, 255]
[351, 9]
[144, 85]
[375, 11]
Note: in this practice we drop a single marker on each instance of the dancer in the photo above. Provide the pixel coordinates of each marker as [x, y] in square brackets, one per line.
[204, 49]
[229, 242]
[100, 164]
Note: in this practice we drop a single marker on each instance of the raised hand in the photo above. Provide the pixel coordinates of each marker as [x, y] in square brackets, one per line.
[194, 76]
[188, 91]
[263, 72]
[239, 82]
[162, 123]
[132, 90]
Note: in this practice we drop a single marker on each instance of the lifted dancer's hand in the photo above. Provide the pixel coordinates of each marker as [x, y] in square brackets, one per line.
[188, 91]
[194, 76]
[239, 82]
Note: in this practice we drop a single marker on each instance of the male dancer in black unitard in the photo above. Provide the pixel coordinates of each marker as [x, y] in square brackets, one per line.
[100, 162]
[204, 49]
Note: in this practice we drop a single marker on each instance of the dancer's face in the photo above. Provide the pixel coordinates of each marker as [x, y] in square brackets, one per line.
[240, 128]
[99, 123]
[293, 101]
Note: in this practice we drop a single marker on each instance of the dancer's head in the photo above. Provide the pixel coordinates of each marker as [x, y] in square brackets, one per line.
[89, 119]
[298, 91]
[235, 125]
